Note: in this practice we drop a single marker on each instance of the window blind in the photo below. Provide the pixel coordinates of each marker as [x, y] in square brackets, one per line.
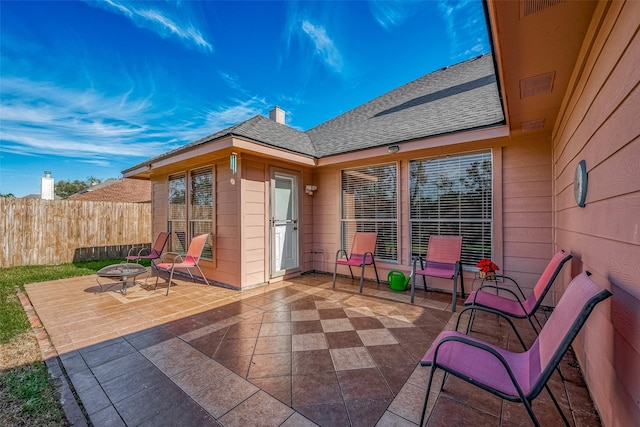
[201, 206]
[370, 203]
[452, 196]
[177, 215]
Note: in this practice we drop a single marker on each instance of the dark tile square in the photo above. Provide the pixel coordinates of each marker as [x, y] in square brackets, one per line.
[316, 389]
[306, 327]
[367, 412]
[242, 330]
[360, 323]
[332, 313]
[332, 414]
[343, 339]
[313, 361]
[391, 355]
[363, 383]
[304, 304]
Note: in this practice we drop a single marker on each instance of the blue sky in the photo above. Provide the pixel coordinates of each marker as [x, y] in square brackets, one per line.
[92, 88]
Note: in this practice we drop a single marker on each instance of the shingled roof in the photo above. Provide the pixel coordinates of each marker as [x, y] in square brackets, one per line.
[457, 98]
[117, 190]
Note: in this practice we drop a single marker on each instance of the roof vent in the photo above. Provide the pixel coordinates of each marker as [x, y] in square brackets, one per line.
[537, 85]
[529, 7]
[277, 115]
[532, 125]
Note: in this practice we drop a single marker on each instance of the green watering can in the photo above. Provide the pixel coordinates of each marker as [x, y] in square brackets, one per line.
[397, 280]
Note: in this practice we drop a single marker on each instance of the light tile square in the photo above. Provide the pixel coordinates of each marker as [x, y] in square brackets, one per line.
[345, 359]
[309, 342]
[371, 337]
[336, 325]
[302, 315]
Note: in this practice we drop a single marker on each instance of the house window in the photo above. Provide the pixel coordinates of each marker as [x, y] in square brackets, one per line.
[177, 215]
[201, 206]
[452, 196]
[196, 217]
[370, 203]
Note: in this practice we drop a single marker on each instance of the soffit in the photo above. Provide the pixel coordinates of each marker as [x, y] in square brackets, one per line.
[537, 42]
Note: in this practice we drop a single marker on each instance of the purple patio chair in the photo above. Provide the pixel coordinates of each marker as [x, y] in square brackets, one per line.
[517, 377]
[519, 308]
[442, 260]
[189, 261]
[362, 250]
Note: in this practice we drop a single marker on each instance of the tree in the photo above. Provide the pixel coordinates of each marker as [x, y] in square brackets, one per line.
[8, 195]
[64, 189]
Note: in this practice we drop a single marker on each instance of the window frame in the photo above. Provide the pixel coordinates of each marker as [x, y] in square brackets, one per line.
[189, 228]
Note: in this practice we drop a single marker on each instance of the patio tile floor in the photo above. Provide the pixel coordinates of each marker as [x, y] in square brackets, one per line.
[293, 353]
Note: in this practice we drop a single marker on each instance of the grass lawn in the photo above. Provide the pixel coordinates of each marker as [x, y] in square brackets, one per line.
[28, 396]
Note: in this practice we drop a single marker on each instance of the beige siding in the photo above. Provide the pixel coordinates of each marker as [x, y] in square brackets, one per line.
[227, 221]
[527, 211]
[255, 187]
[601, 124]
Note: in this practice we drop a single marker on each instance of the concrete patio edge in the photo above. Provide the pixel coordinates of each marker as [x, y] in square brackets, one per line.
[70, 405]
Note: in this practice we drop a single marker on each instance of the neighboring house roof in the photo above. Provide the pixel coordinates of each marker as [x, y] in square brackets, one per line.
[453, 99]
[117, 190]
[37, 196]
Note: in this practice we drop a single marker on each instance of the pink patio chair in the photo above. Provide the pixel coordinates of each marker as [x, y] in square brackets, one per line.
[362, 250]
[517, 377]
[517, 307]
[153, 254]
[189, 261]
[442, 260]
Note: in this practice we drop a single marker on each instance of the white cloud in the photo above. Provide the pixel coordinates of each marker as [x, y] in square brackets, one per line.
[324, 46]
[391, 13]
[464, 22]
[41, 118]
[162, 22]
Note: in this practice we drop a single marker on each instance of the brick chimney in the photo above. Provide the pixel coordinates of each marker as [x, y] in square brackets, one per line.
[46, 187]
[277, 115]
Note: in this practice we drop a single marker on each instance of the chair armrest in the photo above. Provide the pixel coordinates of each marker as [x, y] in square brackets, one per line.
[503, 277]
[341, 251]
[492, 311]
[172, 255]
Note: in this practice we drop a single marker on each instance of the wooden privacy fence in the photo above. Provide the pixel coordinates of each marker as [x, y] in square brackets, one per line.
[41, 232]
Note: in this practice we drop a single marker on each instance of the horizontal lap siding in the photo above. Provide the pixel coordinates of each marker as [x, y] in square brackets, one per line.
[527, 211]
[255, 187]
[601, 125]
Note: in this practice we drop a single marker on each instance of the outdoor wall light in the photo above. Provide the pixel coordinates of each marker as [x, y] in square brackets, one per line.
[309, 189]
[233, 162]
[393, 149]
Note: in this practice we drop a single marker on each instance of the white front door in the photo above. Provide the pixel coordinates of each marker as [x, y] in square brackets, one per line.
[284, 223]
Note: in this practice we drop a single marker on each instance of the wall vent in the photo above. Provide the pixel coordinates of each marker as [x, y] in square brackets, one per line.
[529, 7]
[532, 125]
[537, 85]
